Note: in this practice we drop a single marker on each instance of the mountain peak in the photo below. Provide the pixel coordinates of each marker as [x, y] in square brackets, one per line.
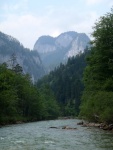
[29, 60]
[53, 51]
[46, 39]
[69, 33]
[7, 38]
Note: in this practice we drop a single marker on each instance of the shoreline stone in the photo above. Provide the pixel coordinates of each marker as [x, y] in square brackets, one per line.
[103, 126]
[64, 127]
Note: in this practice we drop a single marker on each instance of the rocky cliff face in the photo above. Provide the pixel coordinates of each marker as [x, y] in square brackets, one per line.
[53, 51]
[29, 60]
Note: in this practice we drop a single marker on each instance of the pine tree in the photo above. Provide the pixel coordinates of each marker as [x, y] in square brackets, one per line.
[98, 76]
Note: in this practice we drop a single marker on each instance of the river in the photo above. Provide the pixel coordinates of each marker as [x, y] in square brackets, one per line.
[39, 136]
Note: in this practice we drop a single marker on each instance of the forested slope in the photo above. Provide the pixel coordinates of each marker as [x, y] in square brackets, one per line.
[66, 83]
[97, 99]
[21, 101]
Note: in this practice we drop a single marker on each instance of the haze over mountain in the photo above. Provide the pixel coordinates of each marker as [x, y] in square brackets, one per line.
[29, 60]
[53, 51]
[48, 52]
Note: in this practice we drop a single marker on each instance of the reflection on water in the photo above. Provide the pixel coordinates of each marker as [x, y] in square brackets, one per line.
[39, 136]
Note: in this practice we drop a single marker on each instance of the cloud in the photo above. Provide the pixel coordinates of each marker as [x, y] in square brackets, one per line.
[51, 20]
[22, 27]
[92, 2]
[7, 7]
[85, 25]
[28, 27]
[15, 7]
[110, 4]
[106, 3]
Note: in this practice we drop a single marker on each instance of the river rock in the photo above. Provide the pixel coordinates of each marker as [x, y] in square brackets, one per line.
[54, 127]
[110, 126]
[107, 127]
[80, 123]
[91, 125]
[68, 128]
[103, 126]
[64, 127]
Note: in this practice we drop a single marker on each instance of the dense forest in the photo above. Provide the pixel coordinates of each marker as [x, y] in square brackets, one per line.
[20, 100]
[83, 86]
[56, 94]
[66, 83]
[93, 96]
[97, 99]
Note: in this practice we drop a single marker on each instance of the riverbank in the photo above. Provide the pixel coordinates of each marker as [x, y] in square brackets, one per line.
[103, 126]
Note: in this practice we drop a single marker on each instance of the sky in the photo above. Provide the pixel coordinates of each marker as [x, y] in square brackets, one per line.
[27, 20]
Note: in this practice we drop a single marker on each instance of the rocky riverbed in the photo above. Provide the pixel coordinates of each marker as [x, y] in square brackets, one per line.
[103, 126]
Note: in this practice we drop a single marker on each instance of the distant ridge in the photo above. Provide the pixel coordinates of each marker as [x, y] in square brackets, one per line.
[53, 51]
[29, 60]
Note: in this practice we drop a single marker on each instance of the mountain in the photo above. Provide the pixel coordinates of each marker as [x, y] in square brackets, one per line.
[29, 60]
[53, 51]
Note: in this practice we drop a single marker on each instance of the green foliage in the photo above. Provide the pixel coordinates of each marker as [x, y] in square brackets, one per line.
[20, 100]
[97, 99]
[66, 83]
[69, 109]
[98, 106]
[8, 96]
[50, 106]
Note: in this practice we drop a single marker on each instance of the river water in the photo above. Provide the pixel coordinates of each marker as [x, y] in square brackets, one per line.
[39, 136]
